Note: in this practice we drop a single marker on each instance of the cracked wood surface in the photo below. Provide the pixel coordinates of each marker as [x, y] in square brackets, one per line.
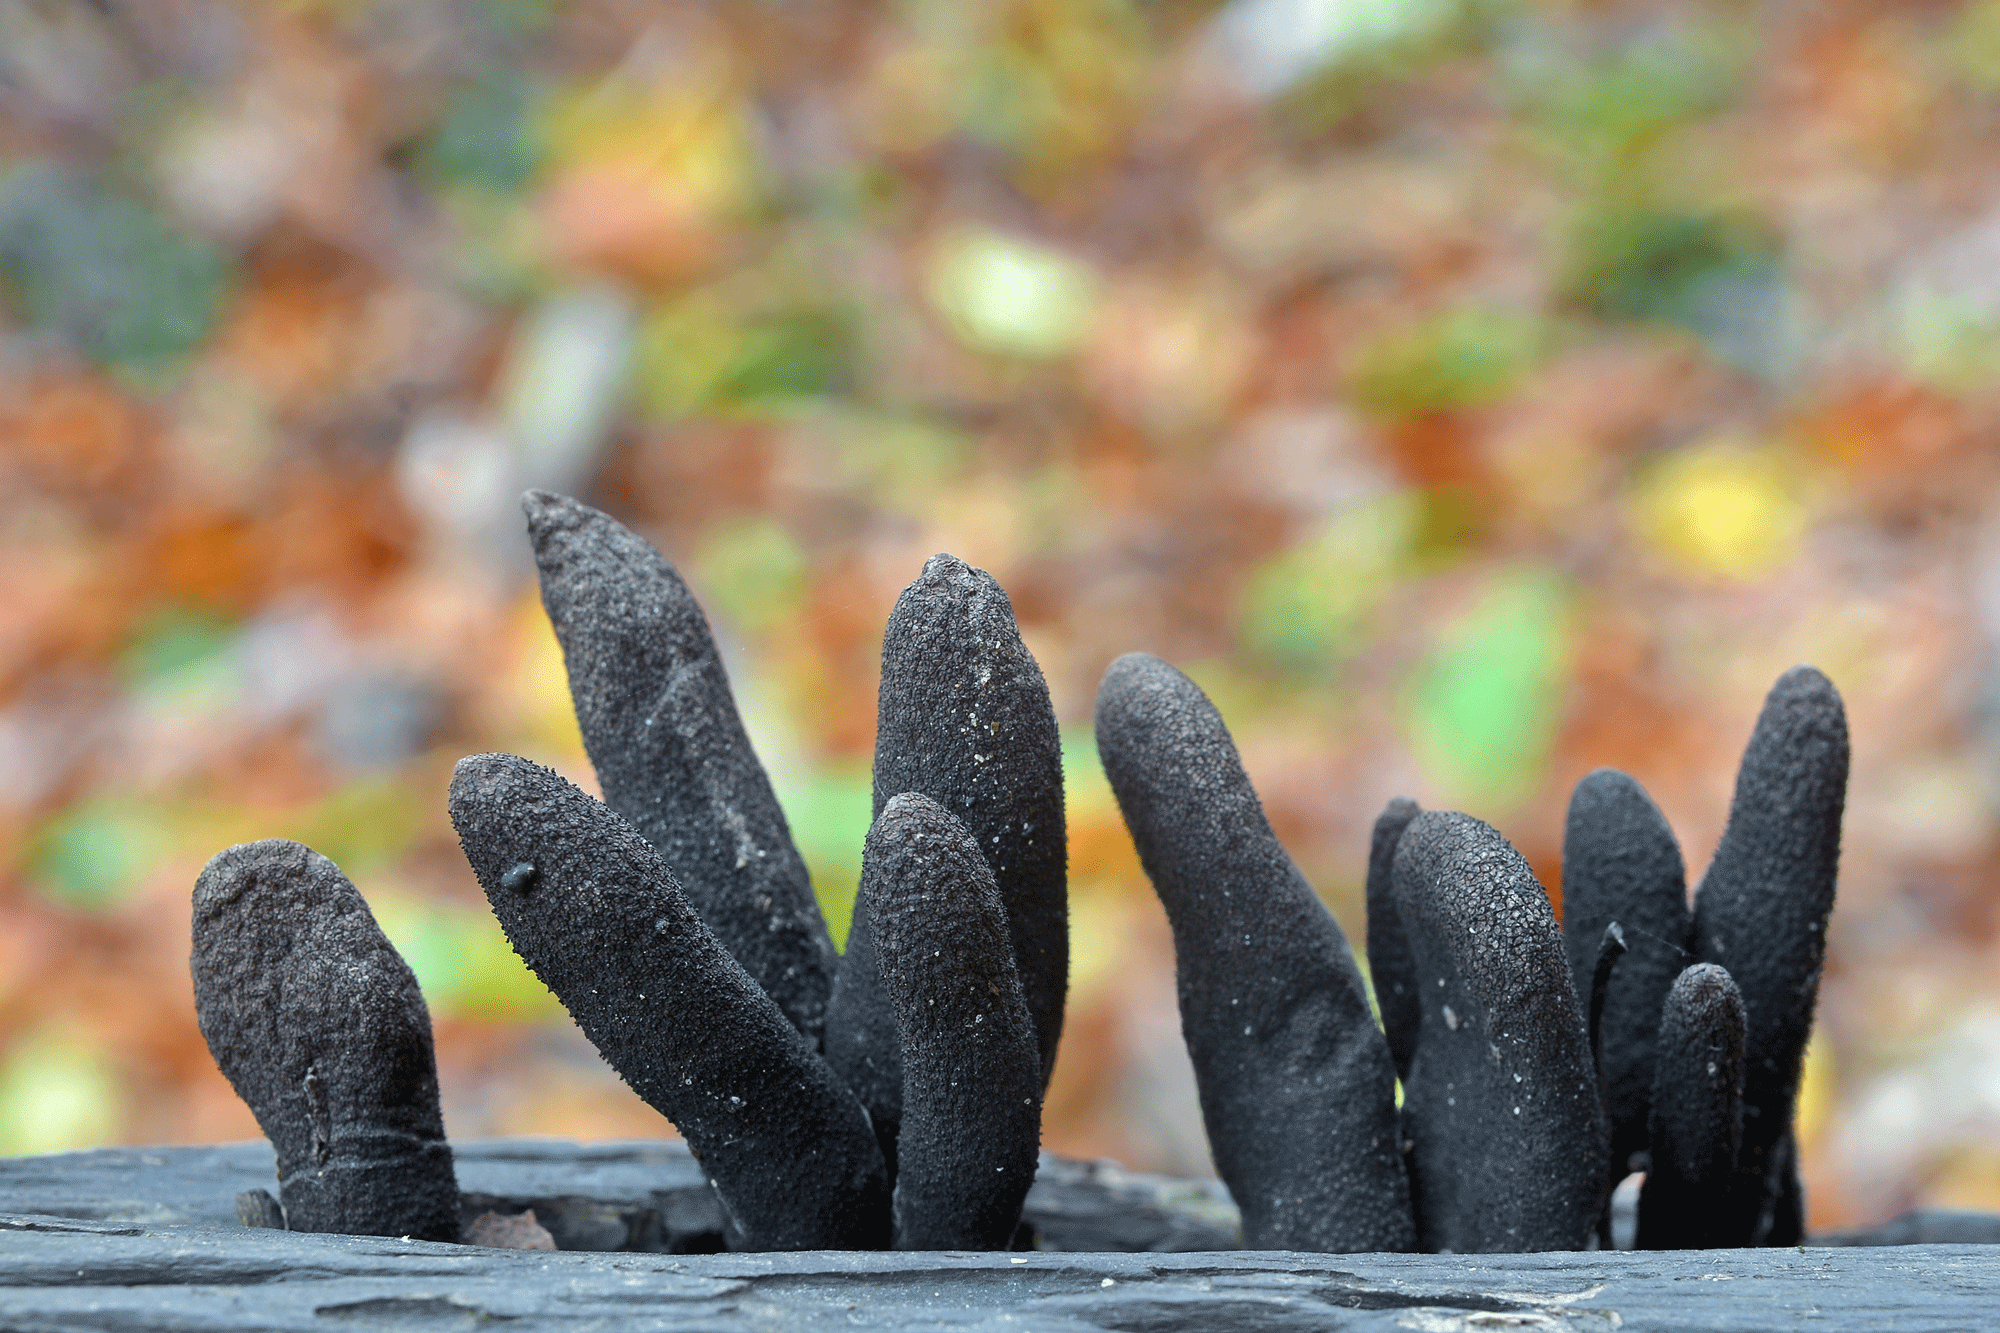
[77, 1274]
[146, 1238]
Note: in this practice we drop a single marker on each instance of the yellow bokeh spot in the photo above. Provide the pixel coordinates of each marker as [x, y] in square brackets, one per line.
[462, 960]
[539, 684]
[1100, 927]
[691, 143]
[56, 1093]
[1721, 509]
[1004, 294]
[685, 350]
[1817, 1086]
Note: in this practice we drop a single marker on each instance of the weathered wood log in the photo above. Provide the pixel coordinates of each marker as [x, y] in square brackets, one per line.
[638, 1195]
[58, 1273]
[147, 1238]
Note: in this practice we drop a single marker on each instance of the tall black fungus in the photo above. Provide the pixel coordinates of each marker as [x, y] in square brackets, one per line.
[964, 719]
[660, 725]
[1297, 1087]
[593, 908]
[1696, 1126]
[1621, 864]
[1501, 1104]
[972, 1077]
[1761, 912]
[318, 1024]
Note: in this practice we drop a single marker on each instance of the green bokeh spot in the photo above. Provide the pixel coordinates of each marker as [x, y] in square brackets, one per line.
[1086, 791]
[517, 16]
[463, 962]
[366, 824]
[57, 1094]
[684, 350]
[1647, 262]
[753, 573]
[1307, 608]
[1483, 709]
[1949, 339]
[181, 654]
[1461, 358]
[105, 272]
[699, 355]
[1973, 45]
[829, 813]
[899, 462]
[91, 856]
[1002, 293]
[487, 138]
[804, 354]
[1606, 115]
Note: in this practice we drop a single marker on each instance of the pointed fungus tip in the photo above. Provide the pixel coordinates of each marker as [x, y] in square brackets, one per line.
[558, 522]
[479, 770]
[945, 575]
[543, 509]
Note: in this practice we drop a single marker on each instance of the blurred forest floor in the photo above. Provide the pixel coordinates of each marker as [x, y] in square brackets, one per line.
[1468, 393]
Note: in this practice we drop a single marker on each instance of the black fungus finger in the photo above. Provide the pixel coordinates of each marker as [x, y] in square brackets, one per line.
[592, 907]
[1787, 1190]
[1697, 1116]
[1621, 863]
[1501, 1104]
[1761, 912]
[660, 725]
[862, 1046]
[964, 718]
[1389, 963]
[318, 1024]
[972, 1077]
[1610, 949]
[1297, 1086]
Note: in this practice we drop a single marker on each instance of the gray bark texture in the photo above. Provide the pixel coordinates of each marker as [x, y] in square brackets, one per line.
[147, 1238]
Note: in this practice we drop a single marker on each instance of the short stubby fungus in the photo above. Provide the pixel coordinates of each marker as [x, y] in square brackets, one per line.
[319, 1026]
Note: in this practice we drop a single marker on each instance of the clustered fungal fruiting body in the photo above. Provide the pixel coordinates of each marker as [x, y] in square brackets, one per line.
[971, 1071]
[891, 1095]
[1622, 866]
[1538, 1065]
[964, 719]
[594, 909]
